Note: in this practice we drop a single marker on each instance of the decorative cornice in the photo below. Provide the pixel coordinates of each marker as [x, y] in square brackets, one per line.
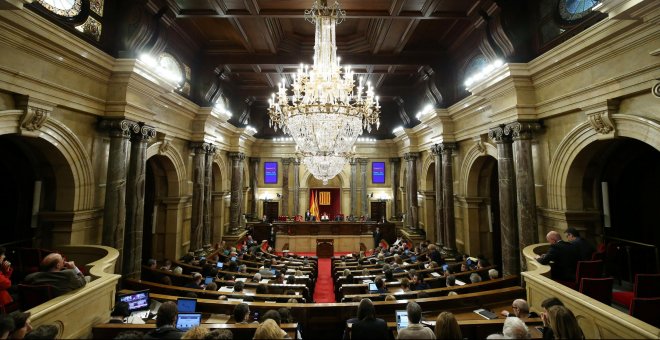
[36, 113]
[521, 129]
[600, 116]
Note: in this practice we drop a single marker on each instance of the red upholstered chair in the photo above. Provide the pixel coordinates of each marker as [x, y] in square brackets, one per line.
[645, 286]
[646, 309]
[585, 269]
[598, 289]
[34, 295]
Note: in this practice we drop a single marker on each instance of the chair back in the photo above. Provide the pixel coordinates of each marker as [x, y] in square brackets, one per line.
[647, 286]
[646, 309]
[589, 269]
[598, 289]
[34, 295]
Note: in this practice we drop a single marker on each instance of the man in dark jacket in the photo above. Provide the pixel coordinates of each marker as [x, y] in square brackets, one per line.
[63, 276]
[165, 323]
[563, 255]
[377, 235]
[584, 248]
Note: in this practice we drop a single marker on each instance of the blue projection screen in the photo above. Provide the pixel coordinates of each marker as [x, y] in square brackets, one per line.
[270, 172]
[378, 172]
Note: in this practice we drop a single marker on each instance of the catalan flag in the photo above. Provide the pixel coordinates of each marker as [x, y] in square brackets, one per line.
[314, 206]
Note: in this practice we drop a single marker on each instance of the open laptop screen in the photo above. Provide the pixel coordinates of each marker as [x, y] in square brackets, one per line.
[220, 264]
[401, 319]
[372, 287]
[208, 280]
[137, 301]
[186, 305]
[186, 321]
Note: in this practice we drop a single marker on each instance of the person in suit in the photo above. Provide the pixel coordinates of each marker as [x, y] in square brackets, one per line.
[63, 276]
[367, 325]
[165, 323]
[377, 236]
[308, 216]
[563, 255]
[585, 249]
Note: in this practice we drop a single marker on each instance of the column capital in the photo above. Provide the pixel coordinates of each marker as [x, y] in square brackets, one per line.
[436, 150]
[498, 135]
[352, 161]
[287, 161]
[239, 156]
[141, 132]
[363, 161]
[448, 148]
[522, 129]
[410, 156]
[199, 147]
[395, 160]
[117, 127]
[211, 149]
[255, 160]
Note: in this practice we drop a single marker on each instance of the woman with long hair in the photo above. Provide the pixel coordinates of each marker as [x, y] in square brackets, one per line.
[446, 327]
[563, 323]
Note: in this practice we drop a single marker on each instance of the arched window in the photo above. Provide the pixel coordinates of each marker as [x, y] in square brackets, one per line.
[574, 10]
[65, 8]
[86, 16]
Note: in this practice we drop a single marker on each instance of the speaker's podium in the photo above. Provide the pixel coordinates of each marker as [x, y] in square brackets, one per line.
[325, 247]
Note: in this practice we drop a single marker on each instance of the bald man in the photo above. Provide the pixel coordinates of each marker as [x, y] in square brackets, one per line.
[562, 257]
[63, 276]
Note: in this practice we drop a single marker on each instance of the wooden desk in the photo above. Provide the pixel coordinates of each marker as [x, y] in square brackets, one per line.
[240, 331]
[261, 231]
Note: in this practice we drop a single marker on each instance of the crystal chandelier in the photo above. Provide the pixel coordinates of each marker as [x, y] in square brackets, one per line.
[326, 112]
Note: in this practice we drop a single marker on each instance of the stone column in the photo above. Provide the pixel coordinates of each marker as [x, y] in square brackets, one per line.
[394, 177]
[208, 190]
[285, 185]
[507, 188]
[525, 190]
[132, 261]
[353, 163]
[199, 174]
[365, 196]
[448, 196]
[236, 193]
[439, 213]
[411, 189]
[114, 211]
[296, 187]
[254, 183]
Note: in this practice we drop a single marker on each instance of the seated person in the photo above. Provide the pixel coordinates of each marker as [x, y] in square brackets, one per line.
[165, 322]
[196, 282]
[5, 278]
[418, 283]
[493, 274]
[380, 285]
[514, 328]
[415, 329]
[325, 217]
[238, 288]
[520, 310]
[367, 326]
[43, 332]
[21, 324]
[563, 255]
[242, 313]
[63, 276]
[119, 313]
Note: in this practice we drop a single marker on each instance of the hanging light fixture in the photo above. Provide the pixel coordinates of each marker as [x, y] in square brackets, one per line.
[324, 112]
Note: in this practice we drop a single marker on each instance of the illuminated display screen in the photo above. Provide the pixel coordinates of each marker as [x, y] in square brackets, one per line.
[378, 172]
[270, 172]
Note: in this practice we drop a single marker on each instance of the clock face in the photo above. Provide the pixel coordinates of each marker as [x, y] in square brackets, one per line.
[65, 8]
[571, 10]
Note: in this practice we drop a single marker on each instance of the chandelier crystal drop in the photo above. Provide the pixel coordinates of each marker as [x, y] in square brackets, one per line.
[324, 112]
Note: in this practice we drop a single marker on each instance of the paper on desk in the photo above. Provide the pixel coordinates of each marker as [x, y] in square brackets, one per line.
[234, 300]
[136, 320]
[264, 281]
[241, 279]
[226, 289]
[218, 318]
[460, 283]
[434, 274]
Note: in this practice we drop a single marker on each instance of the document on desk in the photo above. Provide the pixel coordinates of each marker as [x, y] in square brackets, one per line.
[225, 289]
[135, 319]
[218, 318]
[434, 274]
[460, 283]
[264, 281]
[241, 279]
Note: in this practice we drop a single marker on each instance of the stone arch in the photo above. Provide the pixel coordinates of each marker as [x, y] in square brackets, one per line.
[468, 170]
[559, 174]
[428, 161]
[344, 179]
[75, 184]
[175, 170]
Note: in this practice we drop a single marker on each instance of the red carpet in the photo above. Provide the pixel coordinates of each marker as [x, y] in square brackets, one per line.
[324, 291]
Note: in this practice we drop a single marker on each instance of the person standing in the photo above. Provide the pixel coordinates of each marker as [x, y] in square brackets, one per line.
[377, 236]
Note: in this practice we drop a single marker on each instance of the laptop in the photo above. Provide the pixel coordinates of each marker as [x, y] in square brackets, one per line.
[185, 305]
[486, 314]
[208, 280]
[401, 319]
[138, 303]
[233, 259]
[220, 265]
[372, 288]
[413, 258]
[186, 321]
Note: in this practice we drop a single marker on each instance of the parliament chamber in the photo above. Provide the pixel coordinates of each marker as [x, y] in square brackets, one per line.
[143, 140]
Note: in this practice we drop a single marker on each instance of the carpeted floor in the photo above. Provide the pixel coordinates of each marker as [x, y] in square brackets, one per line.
[324, 291]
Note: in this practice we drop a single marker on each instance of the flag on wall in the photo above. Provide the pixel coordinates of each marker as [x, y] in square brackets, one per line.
[313, 206]
[324, 198]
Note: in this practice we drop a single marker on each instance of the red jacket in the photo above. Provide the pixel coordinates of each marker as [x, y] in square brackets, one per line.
[5, 283]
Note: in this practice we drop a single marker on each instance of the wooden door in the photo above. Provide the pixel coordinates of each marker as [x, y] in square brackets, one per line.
[271, 209]
[377, 211]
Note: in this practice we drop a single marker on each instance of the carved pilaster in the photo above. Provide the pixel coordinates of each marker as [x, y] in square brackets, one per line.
[353, 184]
[411, 189]
[363, 178]
[132, 262]
[236, 190]
[394, 177]
[600, 116]
[285, 185]
[436, 150]
[507, 189]
[208, 190]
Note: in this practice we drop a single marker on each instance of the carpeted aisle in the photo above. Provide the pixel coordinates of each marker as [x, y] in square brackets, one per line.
[324, 290]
